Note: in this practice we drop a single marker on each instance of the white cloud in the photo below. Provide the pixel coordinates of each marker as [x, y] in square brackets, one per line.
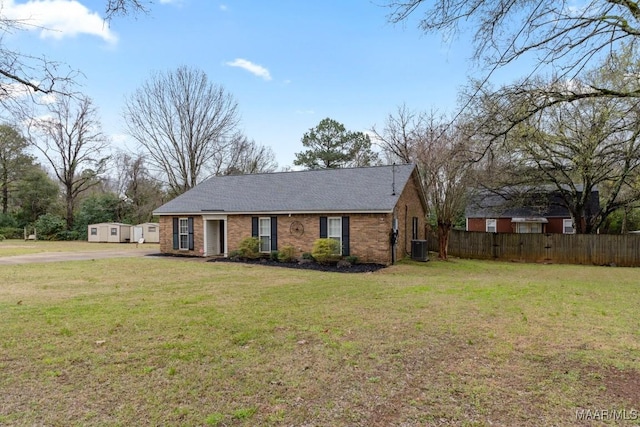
[58, 19]
[224, 7]
[255, 69]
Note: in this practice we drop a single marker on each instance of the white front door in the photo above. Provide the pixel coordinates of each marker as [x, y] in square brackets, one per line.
[215, 232]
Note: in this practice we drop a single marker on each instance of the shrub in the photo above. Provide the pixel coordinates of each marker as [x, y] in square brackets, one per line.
[1, 237]
[307, 255]
[287, 253]
[234, 254]
[12, 232]
[7, 220]
[351, 259]
[274, 256]
[48, 225]
[326, 250]
[249, 248]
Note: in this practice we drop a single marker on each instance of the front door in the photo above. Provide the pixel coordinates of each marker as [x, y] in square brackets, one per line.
[215, 242]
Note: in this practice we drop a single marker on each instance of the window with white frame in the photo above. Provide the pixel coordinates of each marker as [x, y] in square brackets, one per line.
[183, 231]
[335, 231]
[528, 227]
[114, 231]
[152, 229]
[567, 226]
[492, 225]
[264, 234]
[94, 231]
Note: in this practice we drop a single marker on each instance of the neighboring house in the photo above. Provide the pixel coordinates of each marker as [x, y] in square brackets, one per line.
[109, 232]
[356, 206]
[543, 213]
[149, 231]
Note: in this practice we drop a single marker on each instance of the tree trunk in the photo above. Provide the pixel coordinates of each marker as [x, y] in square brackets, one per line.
[69, 202]
[5, 198]
[444, 230]
[5, 191]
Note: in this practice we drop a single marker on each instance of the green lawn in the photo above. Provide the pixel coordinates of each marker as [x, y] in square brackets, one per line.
[168, 341]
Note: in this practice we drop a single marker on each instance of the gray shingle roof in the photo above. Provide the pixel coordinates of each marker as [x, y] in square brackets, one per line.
[326, 190]
[546, 203]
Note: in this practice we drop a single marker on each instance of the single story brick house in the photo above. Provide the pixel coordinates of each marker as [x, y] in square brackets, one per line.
[359, 207]
[540, 211]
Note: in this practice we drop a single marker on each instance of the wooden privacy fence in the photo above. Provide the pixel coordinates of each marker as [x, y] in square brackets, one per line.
[595, 249]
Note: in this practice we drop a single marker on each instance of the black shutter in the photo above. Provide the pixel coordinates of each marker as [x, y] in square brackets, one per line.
[190, 223]
[274, 233]
[323, 227]
[221, 233]
[414, 228]
[254, 226]
[176, 242]
[345, 236]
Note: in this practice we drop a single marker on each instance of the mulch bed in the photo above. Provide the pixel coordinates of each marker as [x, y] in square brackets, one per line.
[353, 268]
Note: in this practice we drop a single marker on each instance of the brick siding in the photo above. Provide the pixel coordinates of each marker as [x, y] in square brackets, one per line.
[369, 233]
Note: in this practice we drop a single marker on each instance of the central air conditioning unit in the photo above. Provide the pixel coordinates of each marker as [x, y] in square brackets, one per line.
[419, 250]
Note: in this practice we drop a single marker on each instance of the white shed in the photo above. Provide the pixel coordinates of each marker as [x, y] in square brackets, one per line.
[109, 232]
[149, 231]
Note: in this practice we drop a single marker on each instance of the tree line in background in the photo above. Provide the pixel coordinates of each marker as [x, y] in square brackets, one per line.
[571, 130]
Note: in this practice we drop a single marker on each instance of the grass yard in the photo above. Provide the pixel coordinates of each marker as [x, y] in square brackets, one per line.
[166, 341]
[25, 247]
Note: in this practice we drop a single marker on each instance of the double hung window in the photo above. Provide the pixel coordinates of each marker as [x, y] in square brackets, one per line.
[264, 234]
[335, 231]
[183, 231]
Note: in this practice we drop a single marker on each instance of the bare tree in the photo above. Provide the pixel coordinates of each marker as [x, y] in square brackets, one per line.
[126, 7]
[402, 133]
[69, 136]
[560, 32]
[563, 38]
[183, 122]
[24, 74]
[136, 186]
[441, 152]
[246, 156]
[572, 148]
[579, 147]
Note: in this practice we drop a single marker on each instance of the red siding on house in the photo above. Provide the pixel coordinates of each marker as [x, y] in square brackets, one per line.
[555, 225]
[504, 225]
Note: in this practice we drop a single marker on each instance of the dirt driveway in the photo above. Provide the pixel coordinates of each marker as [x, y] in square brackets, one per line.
[75, 256]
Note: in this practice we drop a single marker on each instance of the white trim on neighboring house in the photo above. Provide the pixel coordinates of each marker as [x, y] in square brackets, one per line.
[569, 221]
[529, 225]
[491, 225]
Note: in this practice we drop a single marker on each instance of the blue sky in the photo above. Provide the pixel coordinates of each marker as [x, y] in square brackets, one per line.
[288, 63]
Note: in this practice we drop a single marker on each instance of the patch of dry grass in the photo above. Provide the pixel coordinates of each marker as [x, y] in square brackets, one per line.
[24, 247]
[176, 342]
